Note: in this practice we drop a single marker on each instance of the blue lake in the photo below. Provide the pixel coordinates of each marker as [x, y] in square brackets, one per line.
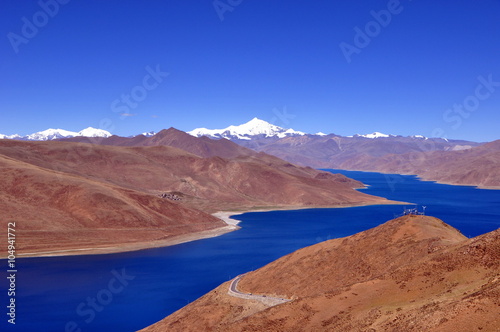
[136, 289]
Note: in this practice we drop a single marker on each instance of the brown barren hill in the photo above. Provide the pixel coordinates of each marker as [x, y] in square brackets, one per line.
[414, 273]
[57, 213]
[447, 161]
[69, 197]
[476, 166]
[331, 151]
[200, 146]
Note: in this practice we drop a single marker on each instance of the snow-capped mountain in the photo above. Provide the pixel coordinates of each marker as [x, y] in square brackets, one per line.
[51, 134]
[257, 128]
[246, 131]
[149, 133]
[382, 135]
[16, 136]
[93, 132]
[374, 135]
[419, 137]
[254, 128]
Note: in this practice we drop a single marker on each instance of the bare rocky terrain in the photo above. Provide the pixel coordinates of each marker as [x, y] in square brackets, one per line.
[447, 161]
[477, 166]
[68, 197]
[414, 273]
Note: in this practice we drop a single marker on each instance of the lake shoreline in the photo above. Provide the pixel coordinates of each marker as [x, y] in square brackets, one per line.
[168, 278]
[226, 216]
[420, 177]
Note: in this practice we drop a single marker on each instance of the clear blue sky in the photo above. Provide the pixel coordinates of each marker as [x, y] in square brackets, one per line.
[264, 57]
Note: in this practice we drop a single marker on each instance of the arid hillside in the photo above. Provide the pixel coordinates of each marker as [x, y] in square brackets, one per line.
[331, 151]
[414, 273]
[200, 146]
[448, 161]
[67, 195]
[477, 166]
[57, 212]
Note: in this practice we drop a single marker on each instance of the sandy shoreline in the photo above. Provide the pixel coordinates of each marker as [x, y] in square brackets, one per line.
[430, 179]
[178, 239]
[231, 225]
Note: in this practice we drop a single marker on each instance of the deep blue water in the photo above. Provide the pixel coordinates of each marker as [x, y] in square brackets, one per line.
[133, 290]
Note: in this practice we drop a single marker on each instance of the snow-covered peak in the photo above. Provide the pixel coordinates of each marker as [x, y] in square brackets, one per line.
[376, 135]
[202, 132]
[246, 131]
[373, 135]
[290, 132]
[50, 134]
[419, 137]
[93, 132]
[149, 133]
[15, 136]
[320, 134]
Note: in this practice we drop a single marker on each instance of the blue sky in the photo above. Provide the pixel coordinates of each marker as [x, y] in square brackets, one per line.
[424, 67]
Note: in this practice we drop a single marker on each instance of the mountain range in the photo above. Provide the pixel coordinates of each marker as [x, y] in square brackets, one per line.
[251, 130]
[128, 193]
[247, 131]
[53, 134]
[257, 129]
[438, 159]
[427, 157]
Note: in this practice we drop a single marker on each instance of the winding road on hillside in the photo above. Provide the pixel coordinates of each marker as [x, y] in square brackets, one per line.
[267, 300]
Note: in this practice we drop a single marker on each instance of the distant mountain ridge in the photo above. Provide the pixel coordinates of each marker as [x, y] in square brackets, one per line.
[258, 129]
[439, 159]
[247, 131]
[449, 161]
[377, 151]
[374, 135]
[254, 129]
[478, 166]
[52, 134]
[124, 192]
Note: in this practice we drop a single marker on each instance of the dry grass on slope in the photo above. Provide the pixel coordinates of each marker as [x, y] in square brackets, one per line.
[414, 273]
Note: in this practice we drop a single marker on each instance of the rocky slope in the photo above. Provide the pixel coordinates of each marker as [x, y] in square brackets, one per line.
[449, 161]
[202, 146]
[414, 273]
[478, 166]
[333, 150]
[454, 162]
[67, 195]
[57, 212]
